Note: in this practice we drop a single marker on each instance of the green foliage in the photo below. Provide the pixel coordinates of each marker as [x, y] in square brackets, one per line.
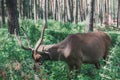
[111, 70]
[17, 64]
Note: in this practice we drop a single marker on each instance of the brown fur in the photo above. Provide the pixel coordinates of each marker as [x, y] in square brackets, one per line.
[77, 49]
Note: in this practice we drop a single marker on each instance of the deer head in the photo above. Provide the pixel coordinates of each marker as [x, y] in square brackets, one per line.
[36, 54]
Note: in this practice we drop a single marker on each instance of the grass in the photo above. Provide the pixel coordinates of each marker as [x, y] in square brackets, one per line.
[17, 64]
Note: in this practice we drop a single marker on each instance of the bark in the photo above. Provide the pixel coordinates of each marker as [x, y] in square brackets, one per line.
[70, 10]
[106, 13]
[45, 12]
[35, 10]
[20, 8]
[3, 12]
[81, 10]
[118, 14]
[12, 14]
[76, 12]
[90, 21]
[24, 8]
[101, 13]
[55, 10]
[65, 11]
[30, 9]
[59, 10]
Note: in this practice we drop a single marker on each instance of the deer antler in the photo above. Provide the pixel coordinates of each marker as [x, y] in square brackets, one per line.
[41, 39]
[27, 38]
[20, 42]
[42, 33]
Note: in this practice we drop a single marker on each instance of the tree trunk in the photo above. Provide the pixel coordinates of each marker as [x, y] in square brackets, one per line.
[114, 11]
[45, 12]
[90, 18]
[24, 9]
[30, 9]
[59, 10]
[35, 10]
[70, 10]
[12, 14]
[101, 12]
[81, 10]
[3, 12]
[118, 14]
[64, 11]
[19, 8]
[76, 12]
[55, 10]
[106, 13]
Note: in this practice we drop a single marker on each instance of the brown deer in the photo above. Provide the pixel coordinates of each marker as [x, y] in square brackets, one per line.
[75, 49]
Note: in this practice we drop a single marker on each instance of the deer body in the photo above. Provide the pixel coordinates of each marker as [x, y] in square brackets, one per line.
[79, 48]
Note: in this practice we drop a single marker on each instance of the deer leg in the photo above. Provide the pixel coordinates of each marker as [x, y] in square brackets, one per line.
[71, 68]
[105, 57]
[74, 68]
[97, 65]
[78, 67]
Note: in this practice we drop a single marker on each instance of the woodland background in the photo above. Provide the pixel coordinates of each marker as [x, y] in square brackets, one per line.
[62, 17]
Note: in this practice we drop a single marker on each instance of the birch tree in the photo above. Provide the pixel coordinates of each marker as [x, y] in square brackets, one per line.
[90, 19]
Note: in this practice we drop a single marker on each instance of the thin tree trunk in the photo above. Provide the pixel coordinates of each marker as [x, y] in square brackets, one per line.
[30, 9]
[19, 7]
[76, 12]
[79, 19]
[114, 11]
[106, 13]
[35, 10]
[82, 10]
[24, 9]
[55, 9]
[3, 12]
[65, 11]
[118, 14]
[59, 10]
[101, 12]
[90, 22]
[70, 10]
[45, 12]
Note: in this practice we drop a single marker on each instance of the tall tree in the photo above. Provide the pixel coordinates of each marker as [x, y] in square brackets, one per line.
[118, 14]
[90, 18]
[3, 11]
[64, 11]
[55, 10]
[101, 12]
[12, 14]
[24, 8]
[76, 12]
[45, 12]
[70, 10]
[106, 13]
[81, 10]
[35, 10]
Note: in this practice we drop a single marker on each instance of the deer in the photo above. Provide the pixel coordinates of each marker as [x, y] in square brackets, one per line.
[76, 49]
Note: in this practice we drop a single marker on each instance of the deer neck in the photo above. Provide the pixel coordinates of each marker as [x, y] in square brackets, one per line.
[54, 53]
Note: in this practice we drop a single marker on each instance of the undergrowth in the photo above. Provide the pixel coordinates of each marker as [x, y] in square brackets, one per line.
[17, 64]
